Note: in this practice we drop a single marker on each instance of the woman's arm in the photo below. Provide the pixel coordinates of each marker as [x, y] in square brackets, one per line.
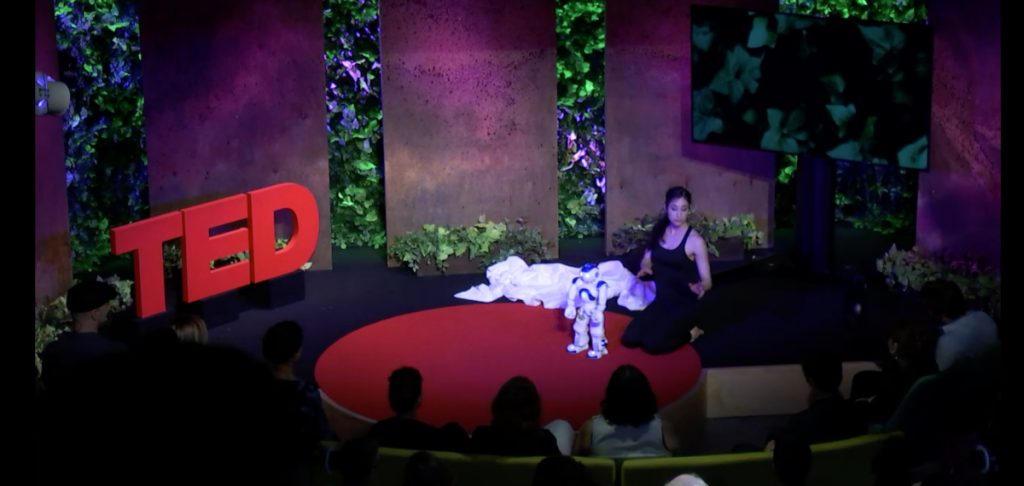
[570, 300]
[645, 265]
[582, 445]
[700, 255]
[669, 437]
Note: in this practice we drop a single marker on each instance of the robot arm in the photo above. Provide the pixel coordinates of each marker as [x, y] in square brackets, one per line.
[602, 296]
[570, 303]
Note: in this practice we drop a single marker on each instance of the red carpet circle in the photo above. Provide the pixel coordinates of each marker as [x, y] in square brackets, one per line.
[467, 352]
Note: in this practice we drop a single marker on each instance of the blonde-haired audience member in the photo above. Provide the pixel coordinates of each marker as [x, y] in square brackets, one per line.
[190, 328]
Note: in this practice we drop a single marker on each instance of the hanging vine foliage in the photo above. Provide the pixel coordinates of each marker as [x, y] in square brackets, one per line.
[104, 143]
[105, 146]
[354, 115]
[580, 65]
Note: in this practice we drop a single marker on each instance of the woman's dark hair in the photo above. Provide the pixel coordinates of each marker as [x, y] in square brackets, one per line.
[823, 371]
[629, 399]
[517, 404]
[658, 230]
[944, 298]
[562, 471]
[915, 341]
[405, 386]
[282, 342]
[423, 469]
[355, 459]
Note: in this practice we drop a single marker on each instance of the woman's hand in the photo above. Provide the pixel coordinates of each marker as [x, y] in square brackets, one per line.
[697, 288]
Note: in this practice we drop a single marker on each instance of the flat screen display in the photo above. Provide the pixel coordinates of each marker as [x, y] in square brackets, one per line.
[846, 89]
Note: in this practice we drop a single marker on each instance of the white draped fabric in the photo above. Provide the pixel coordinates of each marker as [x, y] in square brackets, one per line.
[547, 284]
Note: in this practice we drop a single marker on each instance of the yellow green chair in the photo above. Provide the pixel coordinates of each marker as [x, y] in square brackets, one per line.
[471, 469]
[845, 462]
[838, 463]
[738, 469]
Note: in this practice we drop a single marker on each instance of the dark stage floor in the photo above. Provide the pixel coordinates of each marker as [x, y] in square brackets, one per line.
[761, 311]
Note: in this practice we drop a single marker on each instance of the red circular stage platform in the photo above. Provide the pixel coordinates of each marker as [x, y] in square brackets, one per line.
[466, 352]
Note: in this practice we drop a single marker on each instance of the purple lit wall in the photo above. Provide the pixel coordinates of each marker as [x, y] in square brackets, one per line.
[234, 101]
[649, 145]
[469, 112]
[53, 247]
[958, 209]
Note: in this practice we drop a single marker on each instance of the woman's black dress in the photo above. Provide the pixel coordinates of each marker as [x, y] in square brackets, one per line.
[664, 325]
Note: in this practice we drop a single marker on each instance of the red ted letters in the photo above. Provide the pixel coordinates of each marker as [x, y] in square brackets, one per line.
[144, 239]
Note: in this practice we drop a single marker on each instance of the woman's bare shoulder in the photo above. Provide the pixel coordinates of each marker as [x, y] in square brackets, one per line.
[695, 237]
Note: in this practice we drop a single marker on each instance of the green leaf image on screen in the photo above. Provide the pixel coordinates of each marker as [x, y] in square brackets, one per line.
[847, 89]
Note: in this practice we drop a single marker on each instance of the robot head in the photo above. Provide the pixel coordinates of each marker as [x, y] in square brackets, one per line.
[589, 272]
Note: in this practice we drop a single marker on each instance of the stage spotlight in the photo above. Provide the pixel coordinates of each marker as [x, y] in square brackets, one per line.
[52, 96]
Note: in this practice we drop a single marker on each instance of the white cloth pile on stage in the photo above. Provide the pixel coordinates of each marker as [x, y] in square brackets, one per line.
[547, 284]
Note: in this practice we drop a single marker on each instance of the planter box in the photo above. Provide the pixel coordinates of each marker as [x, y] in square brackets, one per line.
[460, 265]
[219, 309]
[172, 289]
[730, 249]
[277, 292]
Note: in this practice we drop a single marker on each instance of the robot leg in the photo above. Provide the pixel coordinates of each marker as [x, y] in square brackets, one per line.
[579, 327]
[597, 340]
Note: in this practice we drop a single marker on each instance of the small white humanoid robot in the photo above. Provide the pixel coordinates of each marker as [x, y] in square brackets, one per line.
[586, 303]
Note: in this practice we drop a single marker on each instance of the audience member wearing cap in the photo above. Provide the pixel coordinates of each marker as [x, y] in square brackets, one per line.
[89, 304]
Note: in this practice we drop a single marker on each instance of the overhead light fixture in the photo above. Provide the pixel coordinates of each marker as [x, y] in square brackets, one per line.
[52, 96]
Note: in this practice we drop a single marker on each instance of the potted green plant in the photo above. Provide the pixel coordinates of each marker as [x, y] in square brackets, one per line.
[909, 270]
[727, 238]
[436, 249]
[633, 235]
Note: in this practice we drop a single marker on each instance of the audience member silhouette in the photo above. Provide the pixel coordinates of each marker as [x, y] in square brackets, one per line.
[404, 430]
[123, 327]
[355, 460]
[893, 463]
[911, 355]
[687, 480]
[190, 328]
[629, 424]
[791, 460]
[829, 417]
[515, 425]
[184, 328]
[89, 305]
[423, 469]
[183, 414]
[968, 355]
[282, 347]
[160, 336]
[965, 333]
[562, 471]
